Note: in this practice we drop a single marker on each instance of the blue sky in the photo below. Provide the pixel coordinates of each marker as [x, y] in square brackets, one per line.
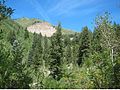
[73, 14]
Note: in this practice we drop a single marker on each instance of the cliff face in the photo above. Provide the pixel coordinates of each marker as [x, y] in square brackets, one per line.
[44, 28]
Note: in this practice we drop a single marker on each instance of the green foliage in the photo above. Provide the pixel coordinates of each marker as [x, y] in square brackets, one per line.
[4, 10]
[26, 35]
[11, 37]
[35, 56]
[99, 68]
[67, 50]
[18, 78]
[1, 34]
[84, 48]
[96, 44]
[56, 54]
[25, 22]
[32, 61]
[68, 54]
[4, 65]
[46, 51]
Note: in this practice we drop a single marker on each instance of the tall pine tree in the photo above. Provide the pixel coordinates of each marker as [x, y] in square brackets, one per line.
[26, 34]
[84, 48]
[56, 54]
[35, 55]
[35, 59]
[68, 51]
[46, 52]
[19, 79]
[11, 37]
[96, 44]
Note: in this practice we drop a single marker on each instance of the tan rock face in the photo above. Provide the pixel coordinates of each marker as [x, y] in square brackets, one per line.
[44, 28]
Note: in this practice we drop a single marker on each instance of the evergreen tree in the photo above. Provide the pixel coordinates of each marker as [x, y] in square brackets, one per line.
[46, 52]
[76, 38]
[84, 48]
[4, 10]
[74, 54]
[1, 34]
[117, 33]
[35, 55]
[5, 64]
[66, 40]
[11, 37]
[116, 79]
[26, 34]
[69, 54]
[19, 79]
[56, 54]
[32, 51]
[75, 43]
[68, 51]
[35, 59]
[117, 29]
[96, 41]
[39, 51]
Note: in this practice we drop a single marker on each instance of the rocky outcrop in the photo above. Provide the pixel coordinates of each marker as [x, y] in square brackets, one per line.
[44, 28]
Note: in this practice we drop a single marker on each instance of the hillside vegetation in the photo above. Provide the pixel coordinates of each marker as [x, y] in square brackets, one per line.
[85, 60]
[27, 22]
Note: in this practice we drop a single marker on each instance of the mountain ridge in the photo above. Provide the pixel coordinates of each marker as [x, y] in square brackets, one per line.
[40, 26]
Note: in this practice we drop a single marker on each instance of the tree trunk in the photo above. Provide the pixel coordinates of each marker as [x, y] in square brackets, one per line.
[112, 56]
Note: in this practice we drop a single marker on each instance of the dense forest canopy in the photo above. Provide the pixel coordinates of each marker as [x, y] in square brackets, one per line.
[76, 60]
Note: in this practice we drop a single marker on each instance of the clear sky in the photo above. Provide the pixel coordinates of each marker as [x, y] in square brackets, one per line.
[73, 14]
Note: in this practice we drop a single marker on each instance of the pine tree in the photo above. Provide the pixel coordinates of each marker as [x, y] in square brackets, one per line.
[84, 48]
[68, 50]
[39, 51]
[56, 54]
[96, 41]
[17, 54]
[69, 54]
[32, 50]
[46, 52]
[35, 59]
[11, 37]
[117, 33]
[75, 53]
[1, 34]
[76, 39]
[75, 43]
[26, 34]
[35, 56]
[19, 78]
[116, 67]
[66, 40]
[5, 64]
[4, 10]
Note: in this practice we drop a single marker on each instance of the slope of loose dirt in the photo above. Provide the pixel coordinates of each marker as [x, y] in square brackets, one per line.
[44, 28]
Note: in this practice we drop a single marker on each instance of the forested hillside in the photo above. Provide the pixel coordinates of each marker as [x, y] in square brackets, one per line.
[83, 60]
